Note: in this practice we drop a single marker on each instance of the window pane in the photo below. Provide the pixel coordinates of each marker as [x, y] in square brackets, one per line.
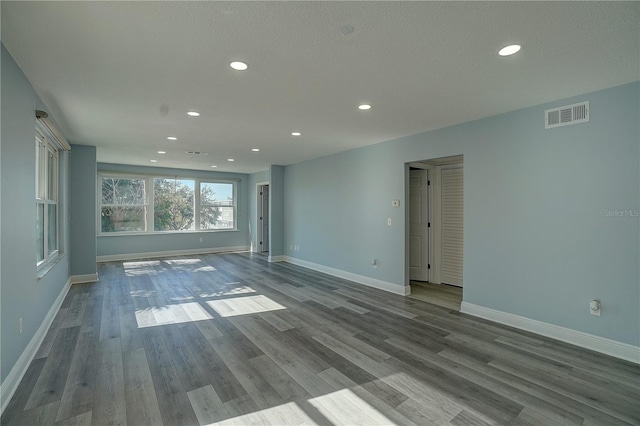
[219, 194]
[173, 204]
[123, 191]
[52, 212]
[38, 189]
[52, 168]
[216, 217]
[40, 232]
[123, 219]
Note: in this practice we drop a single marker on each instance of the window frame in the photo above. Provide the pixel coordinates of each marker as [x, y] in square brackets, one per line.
[150, 203]
[44, 147]
[199, 205]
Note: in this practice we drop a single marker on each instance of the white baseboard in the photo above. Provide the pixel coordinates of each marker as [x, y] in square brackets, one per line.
[273, 259]
[567, 335]
[86, 278]
[360, 279]
[10, 384]
[156, 254]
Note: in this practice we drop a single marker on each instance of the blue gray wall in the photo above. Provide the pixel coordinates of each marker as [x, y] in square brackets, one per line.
[130, 244]
[83, 209]
[254, 180]
[276, 210]
[22, 294]
[538, 240]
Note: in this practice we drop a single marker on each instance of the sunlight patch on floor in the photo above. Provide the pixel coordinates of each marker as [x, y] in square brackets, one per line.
[140, 268]
[238, 289]
[205, 269]
[345, 407]
[182, 261]
[171, 314]
[140, 264]
[142, 293]
[285, 414]
[244, 305]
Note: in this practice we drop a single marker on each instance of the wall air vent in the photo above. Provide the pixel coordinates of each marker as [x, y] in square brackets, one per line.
[197, 153]
[569, 114]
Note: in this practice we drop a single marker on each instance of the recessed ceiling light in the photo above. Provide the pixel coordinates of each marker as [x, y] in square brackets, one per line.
[509, 50]
[296, 134]
[255, 149]
[364, 107]
[193, 113]
[162, 152]
[154, 161]
[214, 166]
[172, 138]
[230, 159]
[238, 66]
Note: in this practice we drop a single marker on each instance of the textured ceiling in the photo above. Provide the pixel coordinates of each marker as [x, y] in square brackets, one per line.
[122, 75]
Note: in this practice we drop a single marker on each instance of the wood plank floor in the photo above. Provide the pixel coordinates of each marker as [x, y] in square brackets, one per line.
[446, 296]
[232, 339]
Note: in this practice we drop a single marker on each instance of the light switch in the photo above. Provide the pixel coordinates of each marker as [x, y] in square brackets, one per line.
[395, 203]
[389, 221]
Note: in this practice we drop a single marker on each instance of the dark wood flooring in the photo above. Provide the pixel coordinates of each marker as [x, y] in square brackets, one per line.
[233, 339]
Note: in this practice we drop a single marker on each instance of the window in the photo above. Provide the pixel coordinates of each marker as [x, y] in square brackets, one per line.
[217, 208]
[165, 204]
[47, 211]
[173, 204]
[124, 207]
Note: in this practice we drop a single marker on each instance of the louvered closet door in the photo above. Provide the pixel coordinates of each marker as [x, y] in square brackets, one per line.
[452, 223]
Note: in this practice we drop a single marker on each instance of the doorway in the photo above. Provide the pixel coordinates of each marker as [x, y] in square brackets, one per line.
[419, 225]
[263, 218]
[434, 231]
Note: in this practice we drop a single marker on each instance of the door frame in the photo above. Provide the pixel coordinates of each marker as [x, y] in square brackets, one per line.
[424, 192]
[433, 207]
[259, 226]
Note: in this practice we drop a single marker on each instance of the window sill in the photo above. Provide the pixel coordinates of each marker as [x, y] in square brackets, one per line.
[44, 269]
[124, 234]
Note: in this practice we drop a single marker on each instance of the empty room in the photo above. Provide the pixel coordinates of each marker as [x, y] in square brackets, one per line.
[319, 212]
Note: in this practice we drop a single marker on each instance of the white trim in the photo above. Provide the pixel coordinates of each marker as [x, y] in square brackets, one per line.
[360, 279]
[274, 259]
[155, 254]
[86, 278]
[10, 384]
[50, 127]
[589, 341]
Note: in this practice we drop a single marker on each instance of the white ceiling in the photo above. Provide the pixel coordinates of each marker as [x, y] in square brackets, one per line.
[122, 75]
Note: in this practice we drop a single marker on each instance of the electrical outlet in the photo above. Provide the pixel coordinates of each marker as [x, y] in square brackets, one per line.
[389, 221]
[374, 263]
[20, 325]
[595, 308]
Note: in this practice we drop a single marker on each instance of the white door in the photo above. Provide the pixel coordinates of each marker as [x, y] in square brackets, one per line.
[452, 225]
[264, 218]
[418, 226]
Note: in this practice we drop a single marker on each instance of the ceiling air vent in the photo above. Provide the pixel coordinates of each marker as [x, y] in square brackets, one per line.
[569, 114]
